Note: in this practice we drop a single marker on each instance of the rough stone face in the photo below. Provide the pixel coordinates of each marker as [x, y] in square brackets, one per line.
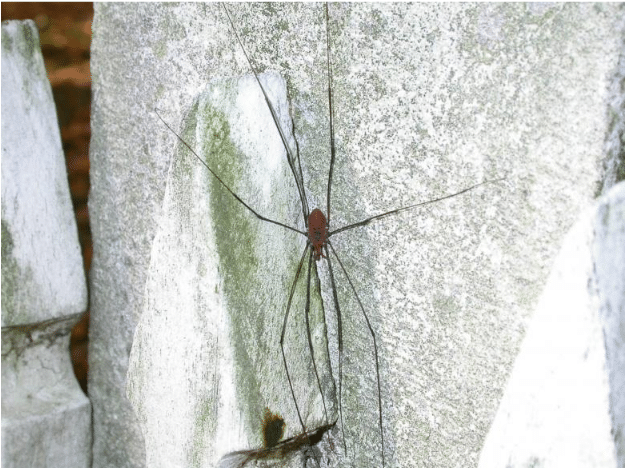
[38, 225]
[563, 404]
[45, 416]
[428, 100]
[201, 321]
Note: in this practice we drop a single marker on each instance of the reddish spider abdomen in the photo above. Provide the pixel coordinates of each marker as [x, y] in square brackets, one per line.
[317, 232]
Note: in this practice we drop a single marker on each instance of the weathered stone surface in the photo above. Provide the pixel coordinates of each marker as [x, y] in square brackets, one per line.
[429, 99]
[42, 273]
[45, 416]
[609, 261]
[563, 404]
[197, 300]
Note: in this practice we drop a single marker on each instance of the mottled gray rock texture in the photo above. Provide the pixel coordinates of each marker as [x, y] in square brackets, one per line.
[428, 100]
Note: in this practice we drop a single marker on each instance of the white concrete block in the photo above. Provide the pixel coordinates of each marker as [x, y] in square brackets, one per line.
[42, 270]
[46, 418]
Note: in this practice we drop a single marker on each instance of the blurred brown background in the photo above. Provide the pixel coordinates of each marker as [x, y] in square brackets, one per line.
[65, 37]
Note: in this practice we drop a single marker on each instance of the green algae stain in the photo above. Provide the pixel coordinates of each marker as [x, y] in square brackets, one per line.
[256, 263]
[10, 270]
[19, 284]
[204, 424]
[236, 238]
[235, 230]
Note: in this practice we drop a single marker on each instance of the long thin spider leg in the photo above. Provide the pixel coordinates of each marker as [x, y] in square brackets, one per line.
[339, 325]
[325, 322]
[286, 367]
[299, 179]
[332, 147]
[398, 210]
[310, 345]
[259, 216]
[286, 318]
[375, 346]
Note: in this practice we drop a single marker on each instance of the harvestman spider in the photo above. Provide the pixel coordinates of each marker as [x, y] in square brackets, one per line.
[318, 246]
